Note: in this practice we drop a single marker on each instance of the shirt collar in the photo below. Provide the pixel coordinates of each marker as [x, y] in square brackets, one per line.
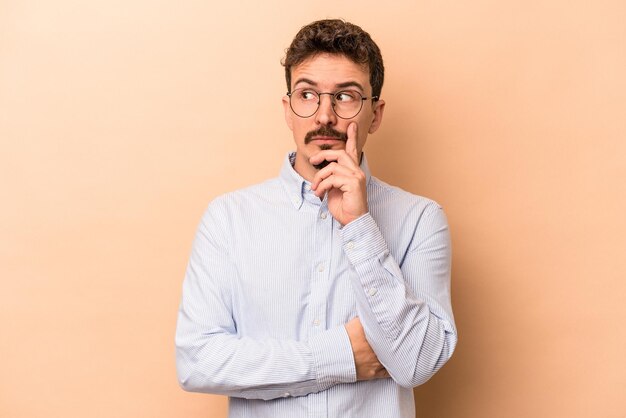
[296, 186]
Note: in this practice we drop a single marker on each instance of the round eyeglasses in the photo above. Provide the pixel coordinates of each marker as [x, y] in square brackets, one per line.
[345, 103]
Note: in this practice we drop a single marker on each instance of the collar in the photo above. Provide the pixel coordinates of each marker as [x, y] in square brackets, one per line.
[296, 186]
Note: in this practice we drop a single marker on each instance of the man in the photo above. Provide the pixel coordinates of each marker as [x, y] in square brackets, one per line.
[324, 292]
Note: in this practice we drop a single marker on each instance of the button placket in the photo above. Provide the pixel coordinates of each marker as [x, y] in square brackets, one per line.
[321, 270]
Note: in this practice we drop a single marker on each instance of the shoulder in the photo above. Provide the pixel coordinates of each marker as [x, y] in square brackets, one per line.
[229, 209]
[245, 199]
[393, 199]
[266, 190]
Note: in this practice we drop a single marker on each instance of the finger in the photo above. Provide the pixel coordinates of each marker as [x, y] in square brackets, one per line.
[351, 149]
[342, 183]
[340, 156]
[329, 170]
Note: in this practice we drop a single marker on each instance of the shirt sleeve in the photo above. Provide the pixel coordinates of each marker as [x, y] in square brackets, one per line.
[405, 308]
[210, 355]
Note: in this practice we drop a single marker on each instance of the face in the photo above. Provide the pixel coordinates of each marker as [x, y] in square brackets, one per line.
[329, 73]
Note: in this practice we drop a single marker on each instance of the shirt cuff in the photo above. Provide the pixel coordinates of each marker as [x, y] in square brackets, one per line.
[362, 240]
[332, 354]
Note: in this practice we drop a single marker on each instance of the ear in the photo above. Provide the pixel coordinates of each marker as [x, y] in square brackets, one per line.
[288, 112]
[379, 108]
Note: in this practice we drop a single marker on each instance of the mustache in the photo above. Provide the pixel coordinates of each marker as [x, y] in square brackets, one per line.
[325, 131]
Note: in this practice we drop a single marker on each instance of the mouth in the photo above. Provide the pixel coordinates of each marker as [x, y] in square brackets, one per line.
[330, 140]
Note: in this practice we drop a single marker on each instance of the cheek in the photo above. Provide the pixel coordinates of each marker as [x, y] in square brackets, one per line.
[304, 125]
[364, 127]
[299, 131]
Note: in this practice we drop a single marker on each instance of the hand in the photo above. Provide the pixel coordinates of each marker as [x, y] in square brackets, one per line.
[343, 180]
[365, 360]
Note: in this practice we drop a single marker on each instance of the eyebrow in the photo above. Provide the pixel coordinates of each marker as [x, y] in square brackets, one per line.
[350, 84]
[304, 80]
[340, 85]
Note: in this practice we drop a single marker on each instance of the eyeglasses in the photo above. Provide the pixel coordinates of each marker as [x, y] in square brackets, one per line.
[345, 103]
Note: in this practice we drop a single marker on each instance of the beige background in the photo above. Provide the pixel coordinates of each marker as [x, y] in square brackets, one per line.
[120, 120]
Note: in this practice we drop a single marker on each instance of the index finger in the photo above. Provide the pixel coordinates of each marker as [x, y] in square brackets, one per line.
[351, 149]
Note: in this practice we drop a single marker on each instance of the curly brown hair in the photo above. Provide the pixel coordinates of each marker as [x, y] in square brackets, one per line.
[336, 36]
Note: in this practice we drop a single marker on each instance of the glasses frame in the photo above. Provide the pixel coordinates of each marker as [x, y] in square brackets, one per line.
[333, 101]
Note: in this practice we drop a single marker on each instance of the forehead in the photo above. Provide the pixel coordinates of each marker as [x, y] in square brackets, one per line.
[329, 71]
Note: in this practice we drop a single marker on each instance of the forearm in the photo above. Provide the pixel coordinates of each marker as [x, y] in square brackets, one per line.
[404, 311]
[224, 364]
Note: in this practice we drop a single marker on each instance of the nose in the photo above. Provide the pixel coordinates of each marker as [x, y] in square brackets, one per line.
[325, 114]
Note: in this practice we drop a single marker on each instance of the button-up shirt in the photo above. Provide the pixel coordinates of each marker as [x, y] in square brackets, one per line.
[272, 279]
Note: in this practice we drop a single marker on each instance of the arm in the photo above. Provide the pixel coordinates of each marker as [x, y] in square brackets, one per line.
[212, 357]
[404, 310]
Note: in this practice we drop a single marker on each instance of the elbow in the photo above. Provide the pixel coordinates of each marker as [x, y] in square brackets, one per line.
[420, 376]
[418, 379]
[184, 385]
[186, 381]
[190, 379]
[189, 372]
[187, 385]
[405, 382]
[428, 363]
[410, 381]
[192, 382]
[184, 370]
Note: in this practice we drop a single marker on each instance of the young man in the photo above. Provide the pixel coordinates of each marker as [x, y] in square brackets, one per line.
[323, 292]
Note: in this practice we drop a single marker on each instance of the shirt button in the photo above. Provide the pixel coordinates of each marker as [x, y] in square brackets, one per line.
[286, 394]
[323, 215]
[372, 291]
[320, 268]
[350, 245]
[316, 322]
[307, 187]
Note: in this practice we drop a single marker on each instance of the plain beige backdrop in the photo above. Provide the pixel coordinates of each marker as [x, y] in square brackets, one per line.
[121, 120]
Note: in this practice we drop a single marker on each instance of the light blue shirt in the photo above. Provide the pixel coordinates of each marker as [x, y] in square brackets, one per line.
[272, 279]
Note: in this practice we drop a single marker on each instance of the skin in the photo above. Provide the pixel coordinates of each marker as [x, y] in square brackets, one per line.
[342, 181]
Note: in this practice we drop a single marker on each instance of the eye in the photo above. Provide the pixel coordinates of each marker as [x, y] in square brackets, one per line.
[306, 95]
[346, 96]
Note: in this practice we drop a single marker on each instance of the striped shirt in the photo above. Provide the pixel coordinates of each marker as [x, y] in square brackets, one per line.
[272, 279]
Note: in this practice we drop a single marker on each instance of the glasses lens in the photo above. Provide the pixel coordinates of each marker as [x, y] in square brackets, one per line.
[347, 103]
[304, 102]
